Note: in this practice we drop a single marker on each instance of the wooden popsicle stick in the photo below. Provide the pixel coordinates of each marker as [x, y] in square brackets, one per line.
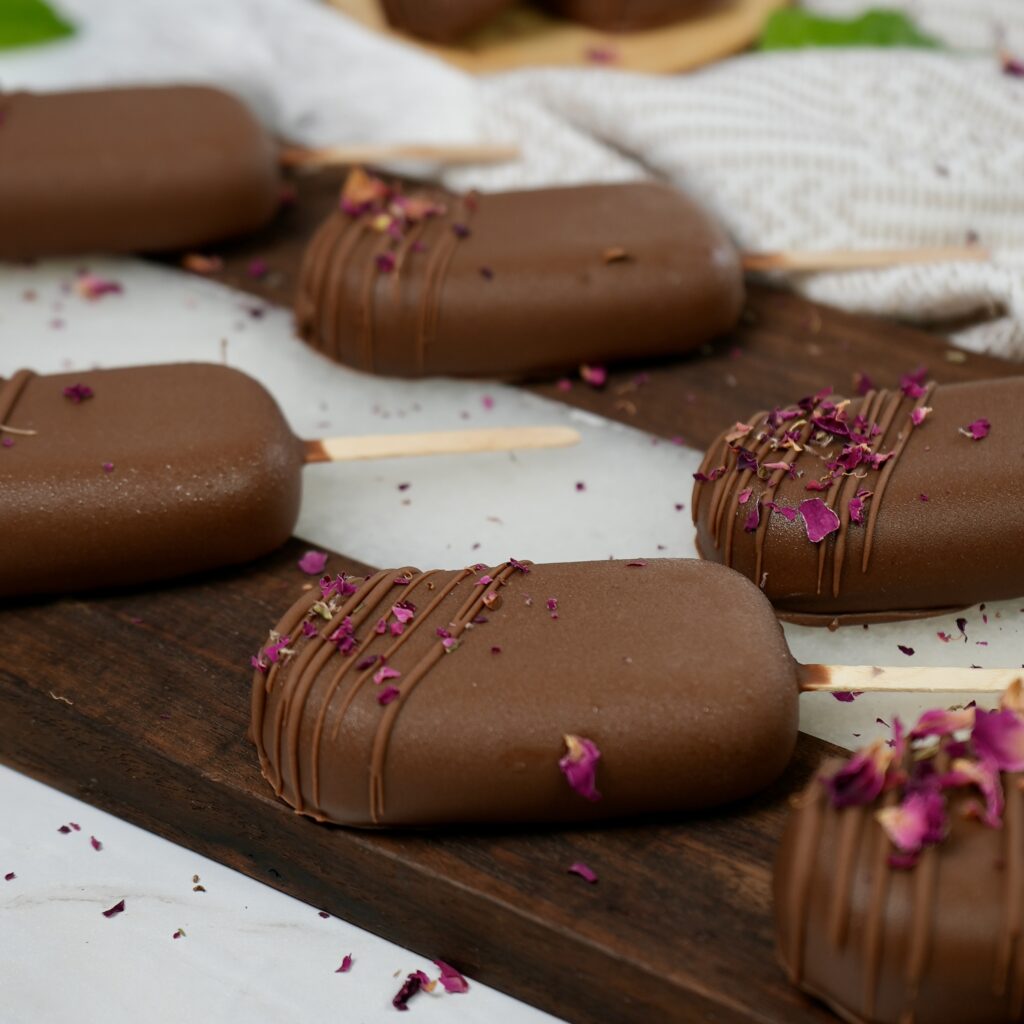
[797, 261]
[448, 154]
[905, 679]
[442, 442]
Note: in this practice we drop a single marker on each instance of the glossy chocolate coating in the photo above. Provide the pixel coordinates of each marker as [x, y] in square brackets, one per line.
[205, 472]
[627, 15]
[935, 944]
[441, 21]
[676, 669]
[130, 170]
[543, 281]
[942, 528]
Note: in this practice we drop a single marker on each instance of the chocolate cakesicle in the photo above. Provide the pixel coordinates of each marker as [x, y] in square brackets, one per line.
[123, 476]
[891, 505]
[899, 883]
[441, 21]
[627, 15]
[514, 284]
[523, 692]
[127, 170]
[417, 698]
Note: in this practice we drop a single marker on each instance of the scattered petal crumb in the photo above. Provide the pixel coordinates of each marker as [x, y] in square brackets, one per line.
[116, 909]
[346, 964]
[179, 934]
[323, 913]
[10, 876]
[908, 651]
[580, 485]
[585, 872]
[95, 843]
[312, 562]
[846, 696]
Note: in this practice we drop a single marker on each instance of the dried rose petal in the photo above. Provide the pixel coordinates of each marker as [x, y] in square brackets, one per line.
[579, 765]
[912, 384]
[77, 393]
[451, 980]
[10, 876]
[919, 820]
[977, 430]
[999, 737]
[257, 269]
[908, 651]
[313, 562]
[385, 672]
[388, 694]
[942, 722]
[520, 566]
[595, 376]
[985, 776]
[861, 778]
[819, 519]
[917, 416]
[96, 844]
[412, 984]
[91, 287]
[846, 696]
[587, 873]
[116, 909]
[346, 964]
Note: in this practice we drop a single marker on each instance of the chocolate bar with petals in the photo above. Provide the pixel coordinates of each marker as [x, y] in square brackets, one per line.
[524, 693]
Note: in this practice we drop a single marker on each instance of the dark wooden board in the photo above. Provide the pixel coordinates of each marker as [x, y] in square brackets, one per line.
[677, 929]
[784, 347]
[679, 926]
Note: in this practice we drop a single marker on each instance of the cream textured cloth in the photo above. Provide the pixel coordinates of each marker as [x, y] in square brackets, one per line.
[811, 149]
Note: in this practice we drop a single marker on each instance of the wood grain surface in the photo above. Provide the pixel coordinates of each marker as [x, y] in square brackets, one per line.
[148, 719]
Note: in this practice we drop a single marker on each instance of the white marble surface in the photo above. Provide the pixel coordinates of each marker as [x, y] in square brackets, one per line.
[250, 953]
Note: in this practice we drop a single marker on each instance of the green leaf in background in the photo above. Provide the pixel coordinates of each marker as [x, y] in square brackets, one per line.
[791, 29]
[24, 22]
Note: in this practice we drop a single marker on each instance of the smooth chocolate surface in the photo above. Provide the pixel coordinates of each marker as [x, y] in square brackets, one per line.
[628, 15]
[164, 471]
[938, 943]
[127, 170]
[519, 283]
[441, 21]
[676, 669]
[942, 515]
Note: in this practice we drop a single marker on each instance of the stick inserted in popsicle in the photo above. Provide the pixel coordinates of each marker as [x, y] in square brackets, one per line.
[440, 697]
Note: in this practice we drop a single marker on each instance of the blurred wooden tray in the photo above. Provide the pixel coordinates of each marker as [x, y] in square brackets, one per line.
[526, 37]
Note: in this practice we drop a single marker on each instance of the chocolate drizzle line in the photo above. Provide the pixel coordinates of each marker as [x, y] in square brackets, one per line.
[306, 672]
[10, 392]
[879, 408]
[812, 808]
[339, 245]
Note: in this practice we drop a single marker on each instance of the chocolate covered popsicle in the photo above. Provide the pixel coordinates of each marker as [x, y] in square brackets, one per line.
[514, 284]
[415, 698]
[441, 21]
[525, 692]
[898, 884]
[124, 476]
[894, 504]
[126, 170]
[627, 15]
